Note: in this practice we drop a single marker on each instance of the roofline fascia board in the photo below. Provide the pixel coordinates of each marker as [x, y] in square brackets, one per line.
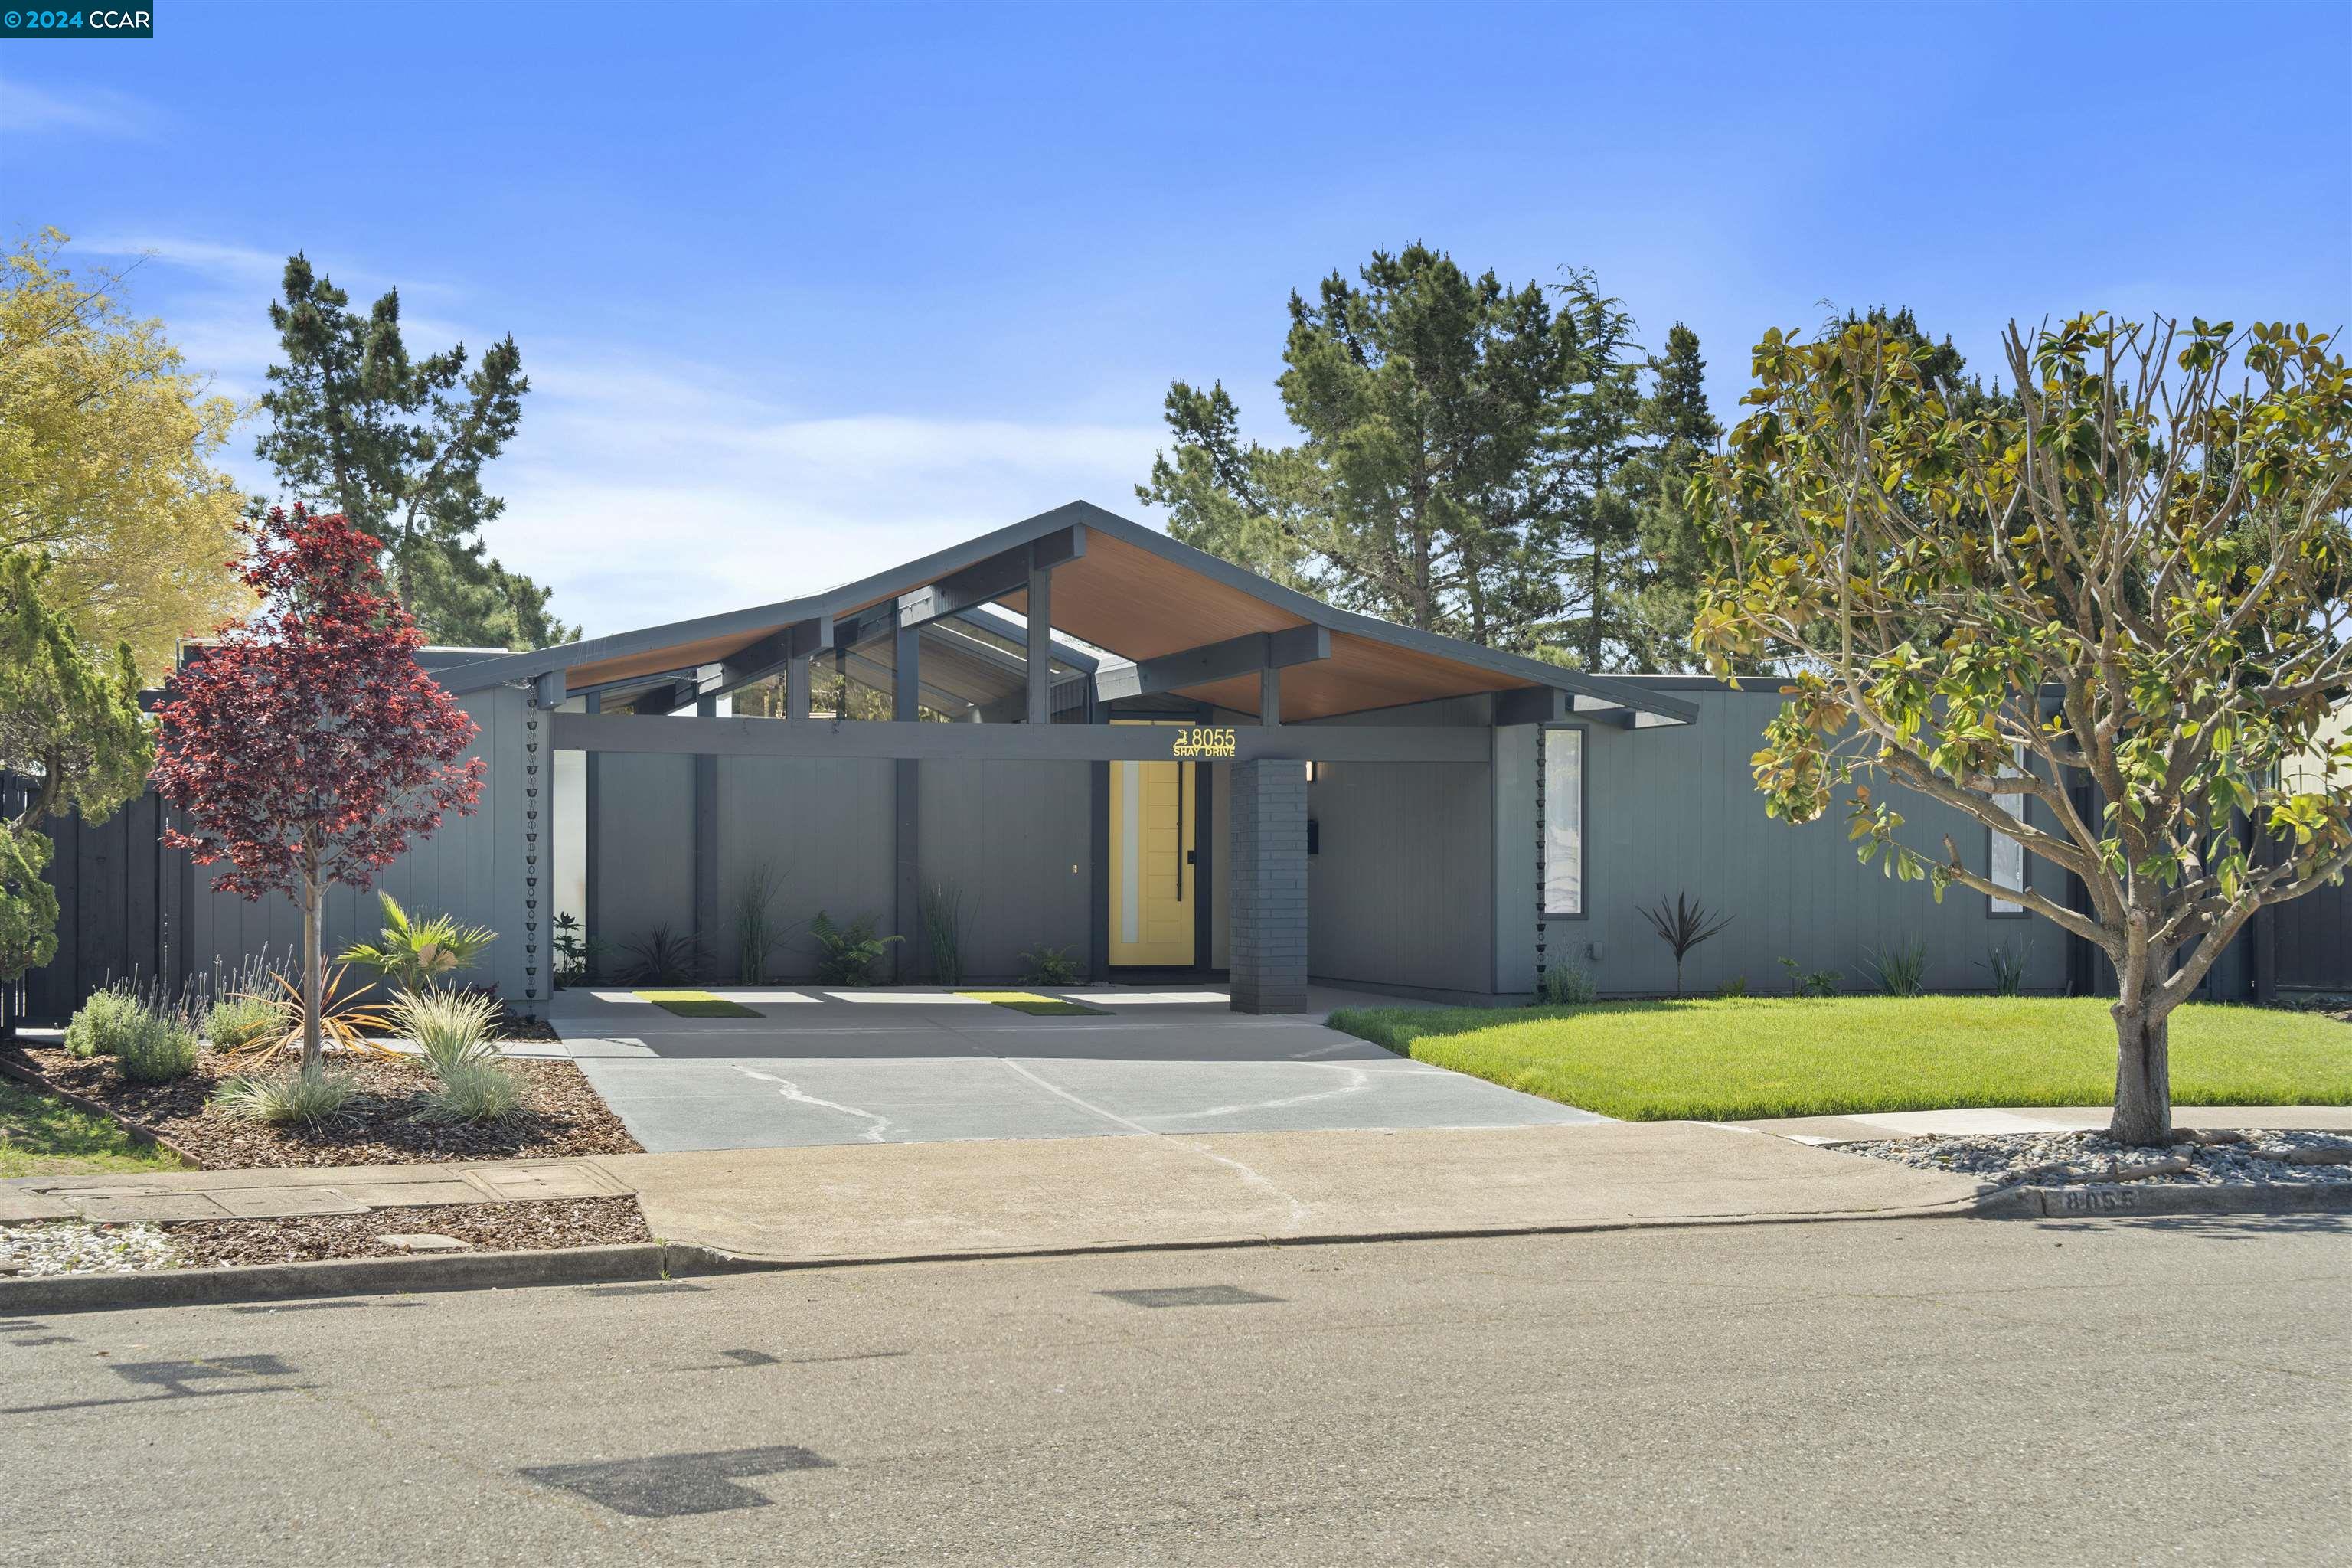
[882, 589]
[490, 672]
[1316, 611]
[1246, 655]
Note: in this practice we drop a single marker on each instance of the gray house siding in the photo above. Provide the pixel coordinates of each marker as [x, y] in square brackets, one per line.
[828, 831]
[644, 835]
[471, 868]
[1674, 809]
[1401, 889]
[1012, 840]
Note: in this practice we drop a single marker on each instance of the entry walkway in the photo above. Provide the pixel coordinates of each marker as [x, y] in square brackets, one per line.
[821, 1065]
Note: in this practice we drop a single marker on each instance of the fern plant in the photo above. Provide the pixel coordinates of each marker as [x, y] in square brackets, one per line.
[1048, 966]
[848, 956]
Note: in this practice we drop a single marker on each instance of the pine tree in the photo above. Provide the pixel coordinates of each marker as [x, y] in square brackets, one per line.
[398, 445]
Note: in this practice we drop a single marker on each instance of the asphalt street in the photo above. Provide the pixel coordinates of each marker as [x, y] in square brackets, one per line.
[1887, 1392]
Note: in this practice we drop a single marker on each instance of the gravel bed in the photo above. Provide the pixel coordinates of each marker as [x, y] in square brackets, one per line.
[533, 1226]
[77, 1247]
[562, 1116]
[2052, 1159]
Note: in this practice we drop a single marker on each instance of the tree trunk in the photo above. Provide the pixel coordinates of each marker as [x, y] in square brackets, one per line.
[2143, 1075]
[314, 971]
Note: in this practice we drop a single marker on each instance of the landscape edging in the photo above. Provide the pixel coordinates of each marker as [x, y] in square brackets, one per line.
[12, 1066]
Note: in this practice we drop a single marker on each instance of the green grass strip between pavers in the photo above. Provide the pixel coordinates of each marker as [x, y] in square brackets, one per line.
[1030, 1003]
[698, 1004]
[41, 1135]
[1742, 1058]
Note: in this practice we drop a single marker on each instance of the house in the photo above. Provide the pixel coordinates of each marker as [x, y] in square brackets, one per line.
[1165, 766]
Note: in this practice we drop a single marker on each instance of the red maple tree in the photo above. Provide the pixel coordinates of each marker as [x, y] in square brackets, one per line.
[306, 746]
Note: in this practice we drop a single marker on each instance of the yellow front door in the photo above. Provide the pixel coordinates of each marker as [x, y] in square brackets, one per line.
[1153, 814]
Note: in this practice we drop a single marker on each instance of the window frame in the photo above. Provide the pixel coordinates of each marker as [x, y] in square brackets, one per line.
[2024, 813]
[1544, 910]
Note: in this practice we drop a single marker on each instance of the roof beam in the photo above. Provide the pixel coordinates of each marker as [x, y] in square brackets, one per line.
[1245, 655]
[984, 581]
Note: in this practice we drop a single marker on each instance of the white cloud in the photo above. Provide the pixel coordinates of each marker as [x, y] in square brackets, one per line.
[27, 110]
[644, 497]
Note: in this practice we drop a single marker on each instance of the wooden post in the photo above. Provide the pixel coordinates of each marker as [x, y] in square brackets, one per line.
[1269, 697]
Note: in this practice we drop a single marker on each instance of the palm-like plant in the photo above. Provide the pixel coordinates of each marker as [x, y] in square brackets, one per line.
[1684, 927]
[417, 954]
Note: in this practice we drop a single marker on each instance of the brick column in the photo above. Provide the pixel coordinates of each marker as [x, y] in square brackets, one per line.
[1266, 887]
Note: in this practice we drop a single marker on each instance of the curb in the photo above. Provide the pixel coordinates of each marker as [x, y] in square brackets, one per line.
[25, 1072]
[627, 1261]
[2127, 1199]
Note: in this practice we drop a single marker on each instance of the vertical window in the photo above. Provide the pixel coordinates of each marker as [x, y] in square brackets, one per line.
[1562, 804]
[2007, 864]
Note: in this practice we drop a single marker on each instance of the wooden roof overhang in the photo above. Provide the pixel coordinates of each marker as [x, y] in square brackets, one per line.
[1132, 592]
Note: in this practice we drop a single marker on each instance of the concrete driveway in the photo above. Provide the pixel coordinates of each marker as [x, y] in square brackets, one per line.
[822, 1067]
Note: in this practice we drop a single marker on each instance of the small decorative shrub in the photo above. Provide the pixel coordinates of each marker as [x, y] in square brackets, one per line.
[757, 933]
[163, 1048]
[1683, 927]
[104, 1022]
[2007, 971]
[847, 957]
[305, 1100]
[1735, 986]
[417, 954]
[1566, 985]
[1902, 969]
[452, 1027]
[1803, 982]
[478, 1090]
[664, 957]
[233, 1023]
[943, 911]
[1048, 966]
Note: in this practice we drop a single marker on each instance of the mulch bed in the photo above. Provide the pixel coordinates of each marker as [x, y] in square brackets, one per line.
[562, 1116]
[533, 1226]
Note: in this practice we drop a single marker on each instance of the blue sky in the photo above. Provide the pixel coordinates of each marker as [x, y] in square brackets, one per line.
[806, 289]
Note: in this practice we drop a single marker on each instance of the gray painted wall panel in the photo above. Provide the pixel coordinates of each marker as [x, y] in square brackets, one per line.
[1401, 891]
[1012, 840]
[645, 838]
[1676, 809]
[825, 826]
[470, 868]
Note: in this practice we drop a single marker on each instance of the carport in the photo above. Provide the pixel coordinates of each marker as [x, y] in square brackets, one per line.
[1102, 741]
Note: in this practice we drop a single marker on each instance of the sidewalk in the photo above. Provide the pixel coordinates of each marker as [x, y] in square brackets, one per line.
[1831, 1131]
[856, 1201]
[851, 1203]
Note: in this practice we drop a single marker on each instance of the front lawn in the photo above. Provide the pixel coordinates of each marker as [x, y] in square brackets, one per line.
[1737, 1059]
[41, 1135]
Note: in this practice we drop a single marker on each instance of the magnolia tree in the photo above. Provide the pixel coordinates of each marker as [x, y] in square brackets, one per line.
[307, 746]
[2130, 575]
